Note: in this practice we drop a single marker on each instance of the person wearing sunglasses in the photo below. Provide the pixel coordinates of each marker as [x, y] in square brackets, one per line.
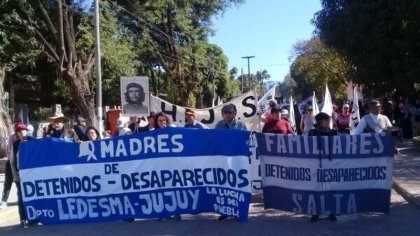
[229, 119]
[308, 120]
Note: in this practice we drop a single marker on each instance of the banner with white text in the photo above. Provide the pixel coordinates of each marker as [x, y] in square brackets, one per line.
[155, 174]
[327, 175]
[246, 106]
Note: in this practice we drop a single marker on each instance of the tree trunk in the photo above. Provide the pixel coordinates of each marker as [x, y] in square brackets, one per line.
[5, 121]
[78, 82]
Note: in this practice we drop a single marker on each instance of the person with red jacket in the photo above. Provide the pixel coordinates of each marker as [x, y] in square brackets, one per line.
[277, 125]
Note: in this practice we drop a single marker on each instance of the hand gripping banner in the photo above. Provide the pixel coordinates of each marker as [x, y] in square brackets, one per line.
[327, 175]
[151, 175]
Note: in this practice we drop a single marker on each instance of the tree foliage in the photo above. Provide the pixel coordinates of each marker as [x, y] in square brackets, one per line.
[379, 37]
[314, 65]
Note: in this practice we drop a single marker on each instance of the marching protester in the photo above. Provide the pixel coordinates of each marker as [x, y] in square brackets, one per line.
[229, 121]
[277, 125]
[8, 176]
[58, 129]
[80, 128]
[21, 132]
[122, 127]
[342, 121]
[191, 122]
[162, 121]
[322, 128]
[134, 124]
[284, 115]
[307, 121]
[374, 122]
[151, 123]
[269, 117]
[92, 134]
[415, 117]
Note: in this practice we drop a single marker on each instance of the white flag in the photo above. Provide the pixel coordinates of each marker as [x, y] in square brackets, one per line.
[263, 102]
[355, 113]
[292, 115]
[302, 105]
[328, 106]
[315, 105]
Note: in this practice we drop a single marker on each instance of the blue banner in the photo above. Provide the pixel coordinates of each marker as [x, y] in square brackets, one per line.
[151, 175]
[340, 174]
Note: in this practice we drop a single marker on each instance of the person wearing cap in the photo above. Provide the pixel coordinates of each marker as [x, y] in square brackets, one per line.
[135, 97]
[80, 128]
[229, 121]
[374, 122]
[151, 122]
[322, 128]
[22, 133]
[307, 121]
[191, 122]
[277, 125]
[342, 121]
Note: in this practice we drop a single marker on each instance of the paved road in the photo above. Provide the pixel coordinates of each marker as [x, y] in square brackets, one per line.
[403, 220]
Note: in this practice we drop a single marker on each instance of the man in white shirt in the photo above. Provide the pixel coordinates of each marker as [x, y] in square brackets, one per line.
[373, 122]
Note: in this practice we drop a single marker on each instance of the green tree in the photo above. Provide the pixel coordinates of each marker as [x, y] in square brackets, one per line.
[379, 37]
[287, 88]
[314, 65]
[175, 34]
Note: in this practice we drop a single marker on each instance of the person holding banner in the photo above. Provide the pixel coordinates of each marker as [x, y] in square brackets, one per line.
[191, 122]
[22, 132]
[373, 122]
[229, 121]
[307, 121]
[277, 125]
[322, 128]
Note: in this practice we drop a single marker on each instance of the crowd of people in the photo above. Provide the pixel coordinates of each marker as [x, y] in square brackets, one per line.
[276, 121]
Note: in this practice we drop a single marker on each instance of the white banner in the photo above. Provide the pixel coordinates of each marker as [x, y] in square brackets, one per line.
[263, 103]
[245, 106]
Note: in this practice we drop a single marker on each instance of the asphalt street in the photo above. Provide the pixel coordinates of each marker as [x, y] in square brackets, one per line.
[403, 220]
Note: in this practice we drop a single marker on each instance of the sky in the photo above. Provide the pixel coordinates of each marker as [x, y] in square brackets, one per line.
[266, 29]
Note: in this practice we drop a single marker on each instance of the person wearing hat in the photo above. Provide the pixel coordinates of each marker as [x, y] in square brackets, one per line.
[322, 128]
[80, 128]
[307, 121]
[22, 133]
[190, 120]
[277, 125]
[151, 122]
[135, 97]
[374, 122]
[342, 121]
[229, 121]
[57, 127]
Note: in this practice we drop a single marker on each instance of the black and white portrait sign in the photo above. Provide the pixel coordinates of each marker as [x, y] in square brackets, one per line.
[135, 96]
